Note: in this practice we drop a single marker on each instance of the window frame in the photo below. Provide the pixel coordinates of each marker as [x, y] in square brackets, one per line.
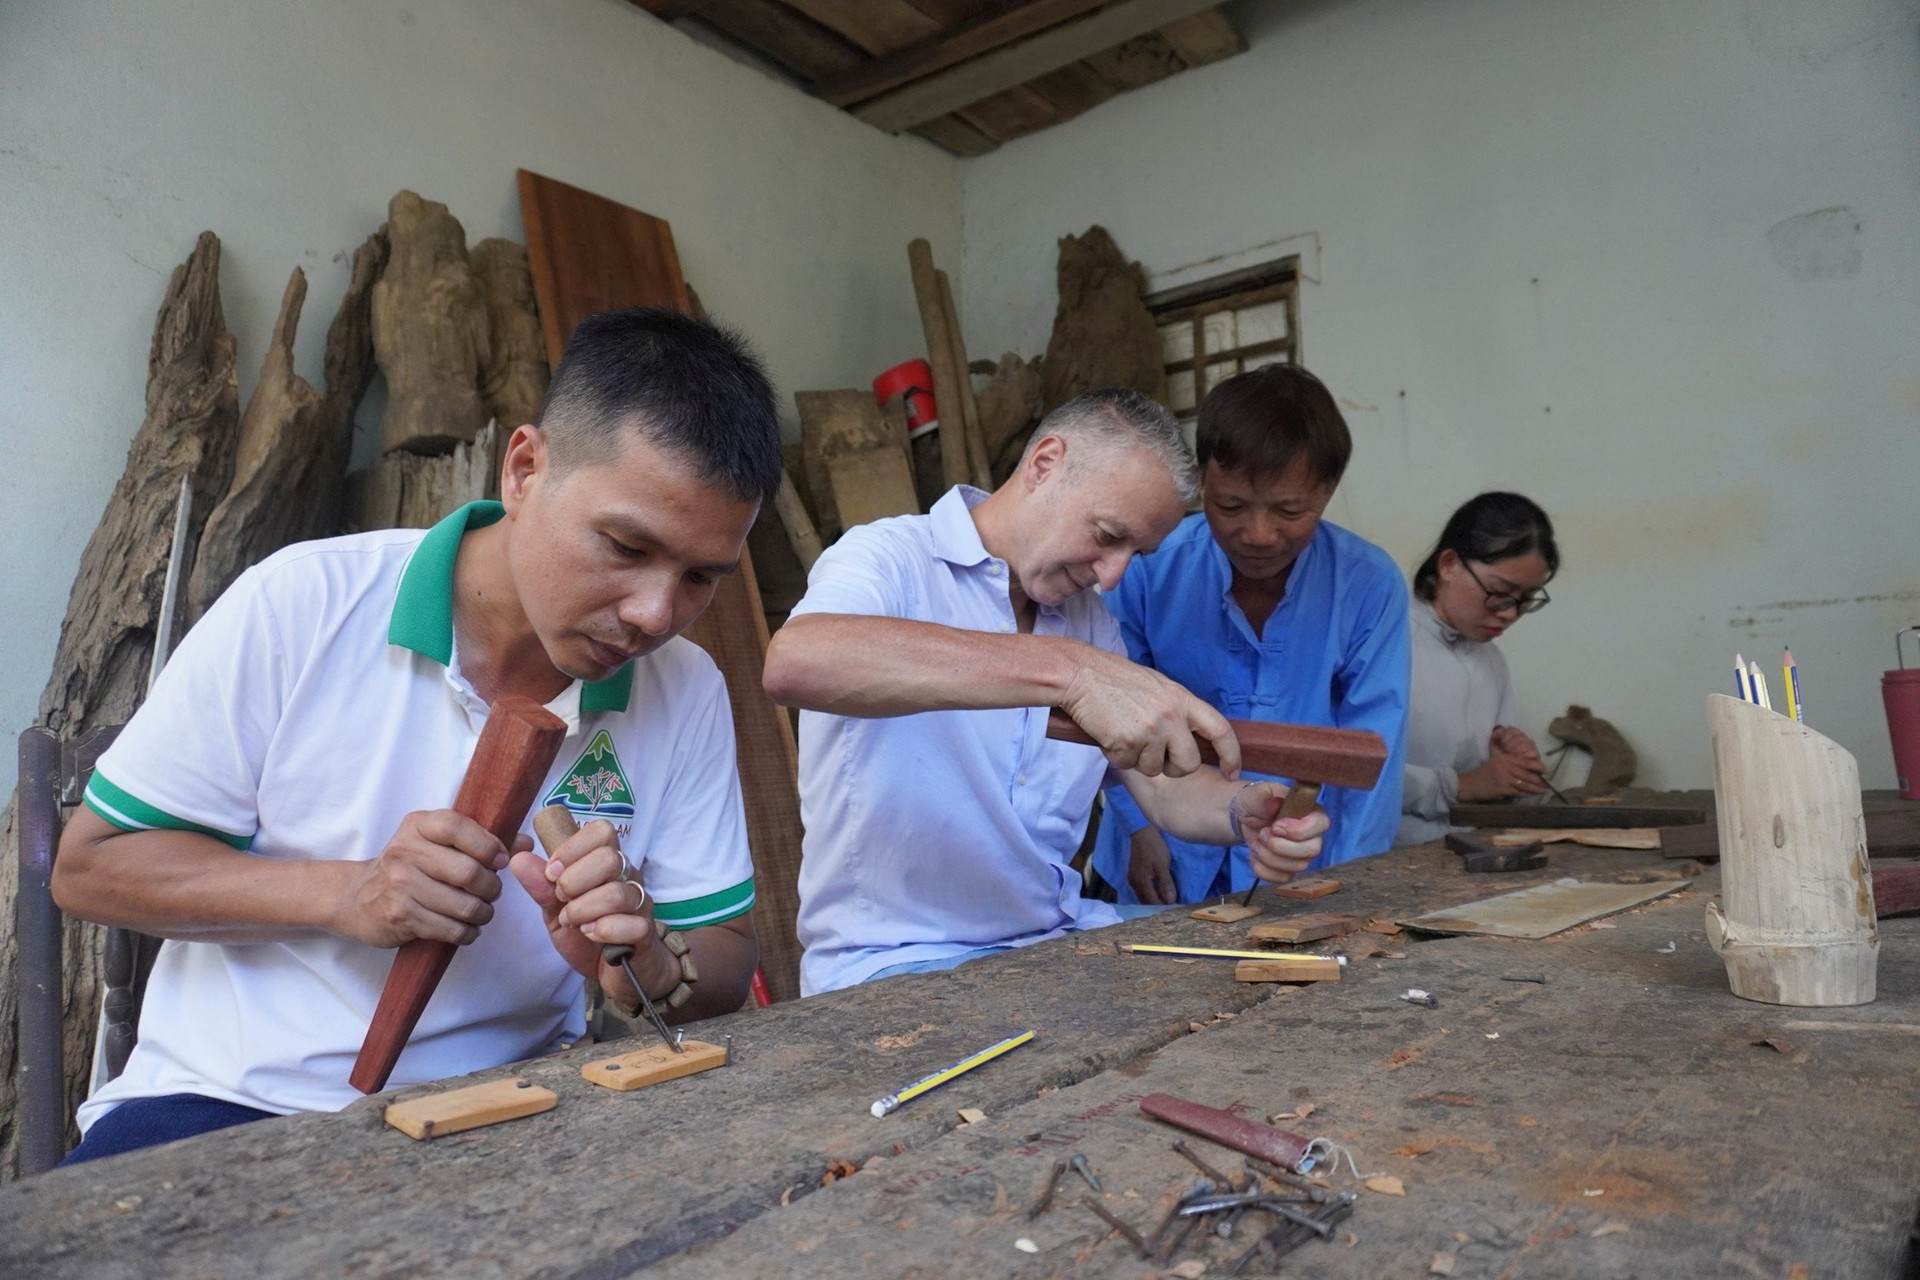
[1276, 281]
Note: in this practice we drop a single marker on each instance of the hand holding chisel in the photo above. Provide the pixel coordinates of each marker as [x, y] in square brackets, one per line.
[555, 825]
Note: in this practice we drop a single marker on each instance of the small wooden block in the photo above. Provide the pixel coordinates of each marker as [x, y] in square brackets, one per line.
[1308, 928]
[1288, 969]
[1387, 927]
[653, 1065]
[439, 1114]
[1316, 887]
[971, 1115]
[1226, 913]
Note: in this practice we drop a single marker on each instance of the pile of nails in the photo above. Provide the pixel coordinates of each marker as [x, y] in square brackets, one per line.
[1305, 1211]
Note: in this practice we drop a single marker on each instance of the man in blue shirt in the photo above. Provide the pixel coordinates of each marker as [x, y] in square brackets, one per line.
[1266, 612]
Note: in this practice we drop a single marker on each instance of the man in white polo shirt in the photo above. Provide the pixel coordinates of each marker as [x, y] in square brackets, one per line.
[925, 656]
[278, 809]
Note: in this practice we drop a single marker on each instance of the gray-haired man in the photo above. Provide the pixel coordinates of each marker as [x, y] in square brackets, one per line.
[925, 657]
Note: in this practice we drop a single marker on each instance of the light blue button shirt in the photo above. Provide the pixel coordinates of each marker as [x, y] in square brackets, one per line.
[934, 834]
[1334, 652]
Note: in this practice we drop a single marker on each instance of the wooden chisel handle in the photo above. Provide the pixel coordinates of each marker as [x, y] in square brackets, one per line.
[1300, 801]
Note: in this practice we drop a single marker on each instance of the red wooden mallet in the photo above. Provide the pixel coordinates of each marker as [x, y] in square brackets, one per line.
[510, 761]
[1312, 755]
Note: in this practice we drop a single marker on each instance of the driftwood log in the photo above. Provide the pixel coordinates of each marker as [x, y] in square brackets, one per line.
[1103, 334]
[514, 381]
[1614, 761]
[413, 491]
[100, 667]
[290, 468]
[1009, 405]
[429, 331]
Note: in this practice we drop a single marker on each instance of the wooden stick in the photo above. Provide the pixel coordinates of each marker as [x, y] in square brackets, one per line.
[977, 463]
[798, 524]
[946, 384]
[509, 763]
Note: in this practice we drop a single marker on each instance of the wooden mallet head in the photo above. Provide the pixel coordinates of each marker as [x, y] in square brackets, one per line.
[1309, 754]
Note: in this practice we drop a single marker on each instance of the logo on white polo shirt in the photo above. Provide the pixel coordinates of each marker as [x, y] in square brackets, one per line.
[596, 786]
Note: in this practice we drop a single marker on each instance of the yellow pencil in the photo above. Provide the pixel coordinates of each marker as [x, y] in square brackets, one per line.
[926, 1084]
[1790, 677]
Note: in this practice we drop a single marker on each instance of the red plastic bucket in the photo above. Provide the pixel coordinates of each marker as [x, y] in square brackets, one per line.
[912, 380]
[1900, 689]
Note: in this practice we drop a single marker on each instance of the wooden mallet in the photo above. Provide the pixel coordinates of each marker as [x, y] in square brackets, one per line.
[1312, 755]
[510, 761]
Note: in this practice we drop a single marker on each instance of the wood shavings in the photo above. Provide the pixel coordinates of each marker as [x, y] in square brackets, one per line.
[1593, 1191]
[1609, 1229]
[836, 1170]
[1191, 1269]
[905, 1040]
[1442, 1265]
[1025, 1245]
[1387, 1185]
[1414, 1150]
[1300, 1112]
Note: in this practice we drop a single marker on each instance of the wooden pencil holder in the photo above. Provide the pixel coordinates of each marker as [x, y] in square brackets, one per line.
[1796, 923]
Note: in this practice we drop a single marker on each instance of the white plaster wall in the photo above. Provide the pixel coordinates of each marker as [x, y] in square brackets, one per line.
[1551, 251]
[125, 129]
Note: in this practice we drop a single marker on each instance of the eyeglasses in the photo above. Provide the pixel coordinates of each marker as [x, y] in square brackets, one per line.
[1501, 601]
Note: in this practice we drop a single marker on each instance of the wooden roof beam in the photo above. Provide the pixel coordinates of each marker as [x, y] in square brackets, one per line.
[939, 52]
[1003, 68]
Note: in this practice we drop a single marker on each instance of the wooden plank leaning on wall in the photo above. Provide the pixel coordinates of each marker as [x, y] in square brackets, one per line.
[591, 254]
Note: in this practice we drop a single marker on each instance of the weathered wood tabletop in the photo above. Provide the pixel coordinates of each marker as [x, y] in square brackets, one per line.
[1628, 1118]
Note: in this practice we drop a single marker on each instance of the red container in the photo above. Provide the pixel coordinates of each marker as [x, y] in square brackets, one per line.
[1901, 690]
[914, 381]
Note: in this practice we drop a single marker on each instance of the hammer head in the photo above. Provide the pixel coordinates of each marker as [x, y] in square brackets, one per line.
[1351, 758]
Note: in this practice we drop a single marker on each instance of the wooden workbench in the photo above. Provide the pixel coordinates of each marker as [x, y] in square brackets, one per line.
[1618, 1121]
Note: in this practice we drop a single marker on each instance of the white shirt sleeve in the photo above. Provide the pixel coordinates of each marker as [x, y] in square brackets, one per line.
[696, 863]
[192, 756]
[865, 572]
[1428, 792]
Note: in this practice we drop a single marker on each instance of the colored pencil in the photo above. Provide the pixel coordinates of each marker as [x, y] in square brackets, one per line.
[1760, 694]
[1742, 685]
[926, 1084]
[1790, 678]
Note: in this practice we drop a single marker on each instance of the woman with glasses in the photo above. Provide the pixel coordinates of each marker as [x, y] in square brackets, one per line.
[1490, 566]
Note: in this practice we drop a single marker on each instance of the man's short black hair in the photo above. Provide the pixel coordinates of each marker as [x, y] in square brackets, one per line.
[1260, 421]
[682, 382]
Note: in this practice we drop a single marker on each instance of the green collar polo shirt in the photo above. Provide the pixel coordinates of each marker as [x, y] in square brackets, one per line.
[315, 705]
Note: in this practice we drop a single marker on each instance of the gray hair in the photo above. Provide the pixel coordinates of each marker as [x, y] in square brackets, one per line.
[1120, 417]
